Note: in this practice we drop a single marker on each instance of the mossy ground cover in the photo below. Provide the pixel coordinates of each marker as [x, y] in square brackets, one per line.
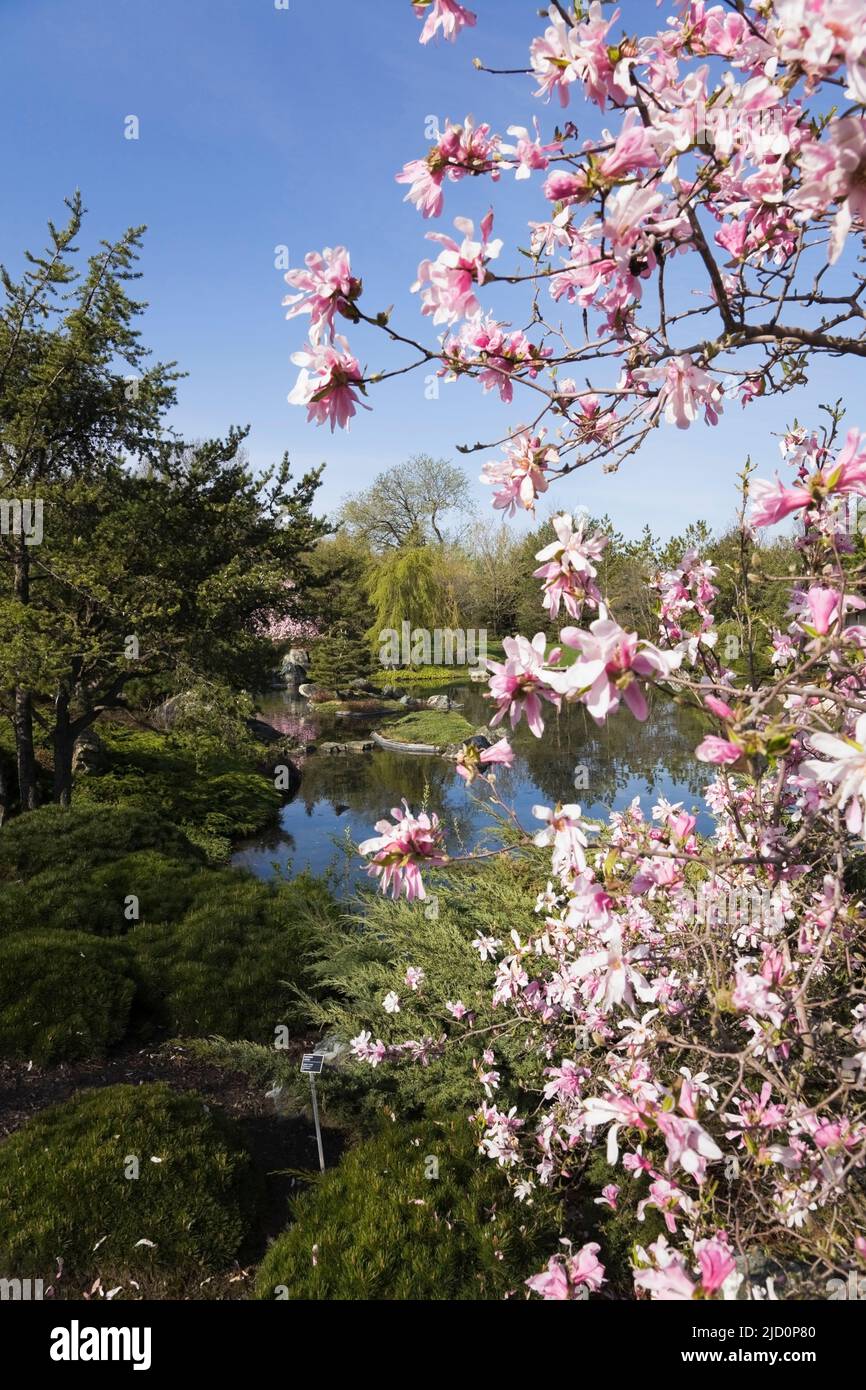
[123, 1179]
[439, 677]
[331, 708]
[429, 726]
[63, 995]
[413, 1214]
[232, 965]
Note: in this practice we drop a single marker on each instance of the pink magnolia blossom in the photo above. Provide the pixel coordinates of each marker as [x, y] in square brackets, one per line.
[825, 607]
[846, 771]
[401, 849]
[752, 995]
[326, 287]
[462, 150]
[849, 471]
[520, 683]
[471, 759]
[668, 1278]
[578, 53]
[716, 1262]
[584, 275]
[627, 213]
[634, 149]
[772, 501]
[612, 663]
[667, 1199]
[367, 1051]
[684, 391]
[615, 977]
[720, 751]
[609, 1196]
[446, 15]
[567, 186]
[690, 1147]
[447, 285]
[528, 153]
[815, 33]
[855, 60]
[564, 831]
[833, 170]
[328, 383]
[495, 355]
[567, 1274]
[719, 707]
[569, 568]
[521, 476]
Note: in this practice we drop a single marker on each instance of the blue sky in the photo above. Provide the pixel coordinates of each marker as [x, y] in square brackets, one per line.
[262, 127]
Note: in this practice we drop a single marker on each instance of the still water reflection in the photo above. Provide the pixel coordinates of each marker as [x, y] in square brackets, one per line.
[341, 797]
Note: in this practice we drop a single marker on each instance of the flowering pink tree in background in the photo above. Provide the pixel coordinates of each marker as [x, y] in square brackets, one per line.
[287, 628]
[718, 1057]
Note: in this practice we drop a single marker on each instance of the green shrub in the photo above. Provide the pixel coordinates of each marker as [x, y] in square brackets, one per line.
[95, 897]
[55, 836]
[214, 799]
[378, 1227]
[75, 869]
[64, 996]
[66, 1190]
[338, 659]
[358, 960]
[232, 964]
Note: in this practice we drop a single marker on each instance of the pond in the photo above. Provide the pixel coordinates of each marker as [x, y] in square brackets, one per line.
[341, 797]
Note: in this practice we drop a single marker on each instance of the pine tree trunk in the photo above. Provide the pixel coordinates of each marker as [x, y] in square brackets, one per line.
[26, 756]
[22, 720]
[64, 749]
[4, 793]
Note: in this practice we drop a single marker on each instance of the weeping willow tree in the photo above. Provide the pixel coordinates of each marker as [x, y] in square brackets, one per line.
[407, 585]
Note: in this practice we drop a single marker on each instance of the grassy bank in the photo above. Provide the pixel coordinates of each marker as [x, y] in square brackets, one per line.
[429, 726]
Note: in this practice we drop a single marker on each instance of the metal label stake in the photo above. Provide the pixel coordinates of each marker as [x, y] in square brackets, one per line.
[312, 1063]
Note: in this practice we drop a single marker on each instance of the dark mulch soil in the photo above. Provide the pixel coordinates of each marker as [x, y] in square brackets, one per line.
[276, 1142]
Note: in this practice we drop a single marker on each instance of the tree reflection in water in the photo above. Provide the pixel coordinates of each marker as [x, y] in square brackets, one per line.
[342, 796]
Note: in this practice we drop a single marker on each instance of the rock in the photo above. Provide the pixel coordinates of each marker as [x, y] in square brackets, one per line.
[293, 669]
[286, 774]
[479, 676]
[479, 740]
[439, 702]
[342, 749]
[89, 755]
[164, 717]
[262, 732]
[390, 692]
